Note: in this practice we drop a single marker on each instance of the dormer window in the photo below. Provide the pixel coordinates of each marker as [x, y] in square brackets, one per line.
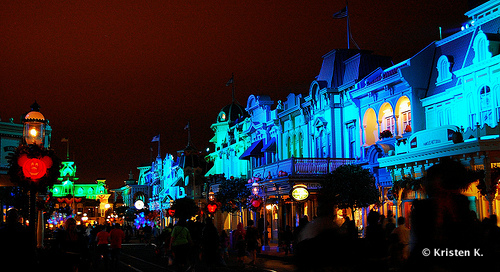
[481, 47]
[444, 65]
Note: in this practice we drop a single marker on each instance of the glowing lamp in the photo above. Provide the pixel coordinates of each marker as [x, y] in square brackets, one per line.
[139, 204]
[171, 212]
[256, 203]
[34, 126]
[211, 196]
[255, 188]
[211, 207]
[300, 192]
[34, 168]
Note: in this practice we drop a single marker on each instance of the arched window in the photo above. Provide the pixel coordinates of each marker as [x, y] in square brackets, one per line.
[300, 146]
[386, 115]
[403, 112]
[444, 64]
[486, 106]
[472, 111]
[289, 147]
[496, 91]
[370, 127]
[322, 145]
[481, 50]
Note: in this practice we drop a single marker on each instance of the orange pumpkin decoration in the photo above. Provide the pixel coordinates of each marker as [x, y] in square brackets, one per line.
[34, 168]
[211, 208]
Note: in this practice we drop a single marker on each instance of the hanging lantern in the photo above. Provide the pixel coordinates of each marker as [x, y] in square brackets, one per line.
[34, 126]
[211, 196]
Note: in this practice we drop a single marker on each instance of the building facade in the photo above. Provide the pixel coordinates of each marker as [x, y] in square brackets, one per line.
[462, 97]
[88, 201]
[394, 119]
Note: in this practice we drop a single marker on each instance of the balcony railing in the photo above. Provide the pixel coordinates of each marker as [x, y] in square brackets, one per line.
[300, 166]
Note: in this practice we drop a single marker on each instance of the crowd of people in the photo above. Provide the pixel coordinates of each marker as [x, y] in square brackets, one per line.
[439, 224]
[441, 234]
[190, 243]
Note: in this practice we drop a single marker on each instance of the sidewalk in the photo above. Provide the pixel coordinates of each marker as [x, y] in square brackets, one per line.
[268, 260]
[273, 251]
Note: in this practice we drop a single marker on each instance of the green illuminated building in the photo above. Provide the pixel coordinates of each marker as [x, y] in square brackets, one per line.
[88, 200]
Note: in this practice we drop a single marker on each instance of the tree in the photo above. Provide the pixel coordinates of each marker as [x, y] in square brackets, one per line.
[185, 208]
[232, 194]
[350, 186]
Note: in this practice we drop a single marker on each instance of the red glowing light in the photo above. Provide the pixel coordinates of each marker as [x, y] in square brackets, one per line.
[171, 212]
[256, 203]
[34, 168]
[211, 208]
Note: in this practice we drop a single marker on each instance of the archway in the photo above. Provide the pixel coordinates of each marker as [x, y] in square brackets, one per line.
[386, 118]
[370, 127]
[403, 115]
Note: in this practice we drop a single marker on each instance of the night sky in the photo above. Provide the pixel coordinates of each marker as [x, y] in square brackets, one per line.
[110, 75]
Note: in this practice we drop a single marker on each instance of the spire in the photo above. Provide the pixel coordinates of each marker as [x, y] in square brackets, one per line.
[35, 107]
[231, 82]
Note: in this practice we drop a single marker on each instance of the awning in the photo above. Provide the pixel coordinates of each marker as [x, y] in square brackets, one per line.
[255, 150]
[270, 146]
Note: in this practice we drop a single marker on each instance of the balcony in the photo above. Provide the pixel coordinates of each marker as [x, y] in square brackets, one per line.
[300, 167]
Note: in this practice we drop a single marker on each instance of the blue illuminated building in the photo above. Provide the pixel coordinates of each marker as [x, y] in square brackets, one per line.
[396, 120]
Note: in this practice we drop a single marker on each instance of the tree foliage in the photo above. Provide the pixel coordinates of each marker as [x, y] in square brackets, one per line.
[185, 208]
[406, 183]
[232, 194]
[350, 186]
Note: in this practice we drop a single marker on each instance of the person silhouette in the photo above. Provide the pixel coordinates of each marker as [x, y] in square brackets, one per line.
[442, 223]
[17, 242]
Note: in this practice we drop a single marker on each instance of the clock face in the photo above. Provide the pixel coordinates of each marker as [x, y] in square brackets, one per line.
[300, 193]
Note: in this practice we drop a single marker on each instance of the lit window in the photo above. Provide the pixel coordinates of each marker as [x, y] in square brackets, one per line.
[389, 123]
[406, 121]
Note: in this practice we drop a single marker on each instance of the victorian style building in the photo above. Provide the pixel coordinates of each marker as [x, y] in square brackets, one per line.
[395, 119]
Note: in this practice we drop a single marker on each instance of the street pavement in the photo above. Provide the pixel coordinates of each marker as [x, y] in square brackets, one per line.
[140, 257]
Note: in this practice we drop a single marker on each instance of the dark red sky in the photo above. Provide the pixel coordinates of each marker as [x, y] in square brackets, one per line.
[110, 75]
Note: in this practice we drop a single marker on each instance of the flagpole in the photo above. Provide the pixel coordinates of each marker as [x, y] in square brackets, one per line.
[232, 76]
[67, 149]
[189, 133]
[348, 30]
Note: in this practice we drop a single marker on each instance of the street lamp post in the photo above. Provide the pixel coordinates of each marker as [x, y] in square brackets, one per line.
[33, 167]
[34, 133]
[256, 187]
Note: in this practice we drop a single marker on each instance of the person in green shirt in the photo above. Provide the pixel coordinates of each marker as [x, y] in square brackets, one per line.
[180, 243]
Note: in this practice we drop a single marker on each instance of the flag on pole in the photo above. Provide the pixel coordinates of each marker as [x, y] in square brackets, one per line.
[341, 13]
[156, 138]
[64, 140]
[230, 81]
[187, 126]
